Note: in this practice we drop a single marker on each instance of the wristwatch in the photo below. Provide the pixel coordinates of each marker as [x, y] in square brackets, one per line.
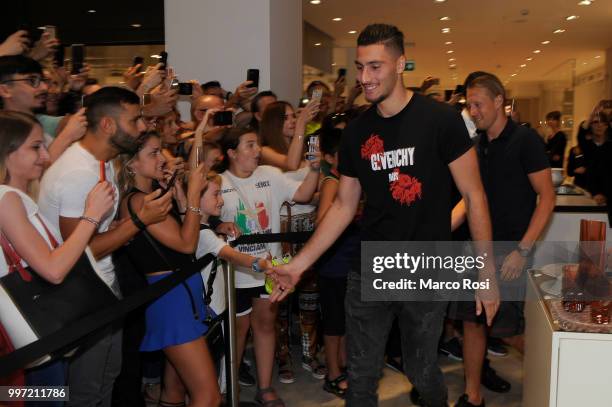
[255, 266]
[523, 251]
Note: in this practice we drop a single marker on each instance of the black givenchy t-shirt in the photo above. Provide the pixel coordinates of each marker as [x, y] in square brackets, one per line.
[402, 165]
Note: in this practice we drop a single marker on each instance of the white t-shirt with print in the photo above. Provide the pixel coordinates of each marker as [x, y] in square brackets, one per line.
[211, 243]
[265, 190]
[299, 209]
[63, 192]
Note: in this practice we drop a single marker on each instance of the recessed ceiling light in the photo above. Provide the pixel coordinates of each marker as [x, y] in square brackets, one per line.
[317, 44]
[584, 63]
[450, 51]
[585, 3]
[513, 74]
[559, 31]
[537, 51]
[529, 59]
[597, 56]
[315, 1]
[156, 56]
[452, 66]
[91, 11]
[334, 64]
[136, 25]
[445, 30]
[352, 32]
[439, 1]
[42, 27]
[545, 42]
[523, 65]
[451, 59]
[570, 18]
[337, 19]
[445, 18]
[448, 43]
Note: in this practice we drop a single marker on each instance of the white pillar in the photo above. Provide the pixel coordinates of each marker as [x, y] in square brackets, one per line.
[220, 39]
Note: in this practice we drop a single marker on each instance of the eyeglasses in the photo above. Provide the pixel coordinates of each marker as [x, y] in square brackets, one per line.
[33, 81]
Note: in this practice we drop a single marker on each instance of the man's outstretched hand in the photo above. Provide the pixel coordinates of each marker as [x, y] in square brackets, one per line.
[285, 278]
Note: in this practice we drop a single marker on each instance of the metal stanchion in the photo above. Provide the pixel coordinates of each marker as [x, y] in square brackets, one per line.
[231, 353]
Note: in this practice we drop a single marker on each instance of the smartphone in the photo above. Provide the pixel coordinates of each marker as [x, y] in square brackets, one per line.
[185, 88]
[460, 89]
[163, 60]
[146, 99]
[313, 147]
[51, 30]
[78, 57]
[253, 76]
[174, 84]
[448, 93]
[341, 72]
[58, 56]
[223, 118]
[138, 61]
[170, 184]
[317, 94]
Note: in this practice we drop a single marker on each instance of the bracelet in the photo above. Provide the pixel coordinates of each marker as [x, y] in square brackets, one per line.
[90, 220]
[194, 209]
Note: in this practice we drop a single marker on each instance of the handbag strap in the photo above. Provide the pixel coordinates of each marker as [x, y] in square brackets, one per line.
[13, 259]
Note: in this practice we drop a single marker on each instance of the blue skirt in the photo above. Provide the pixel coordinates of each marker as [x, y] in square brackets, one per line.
[170, 320]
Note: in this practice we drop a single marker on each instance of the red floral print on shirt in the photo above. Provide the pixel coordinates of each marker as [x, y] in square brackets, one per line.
[406, 189]
[373, 145]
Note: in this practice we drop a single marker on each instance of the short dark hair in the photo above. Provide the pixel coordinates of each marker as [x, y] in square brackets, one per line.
[388, 35]
[107, 101]
[18, 64]
[489, 82]
[554, 115]
[258, 97]
[330, 140]
[210, 84]
[471, 77]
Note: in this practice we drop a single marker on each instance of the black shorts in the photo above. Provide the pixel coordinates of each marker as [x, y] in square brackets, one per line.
[332, 292]
[245, 296]
[509, 320]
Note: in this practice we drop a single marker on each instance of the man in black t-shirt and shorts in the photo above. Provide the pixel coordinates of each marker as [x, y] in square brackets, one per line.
[403, 153]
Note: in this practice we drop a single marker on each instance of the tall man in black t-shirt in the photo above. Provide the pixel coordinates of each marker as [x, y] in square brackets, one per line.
[403, 153]
[515, 171]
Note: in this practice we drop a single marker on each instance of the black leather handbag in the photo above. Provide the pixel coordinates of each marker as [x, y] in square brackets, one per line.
[33, 308]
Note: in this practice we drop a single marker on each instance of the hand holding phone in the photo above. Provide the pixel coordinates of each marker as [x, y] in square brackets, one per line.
[170, 183]
[253, 76]
[223, 118]
[78, 57]
[163, 60]
[317, 94]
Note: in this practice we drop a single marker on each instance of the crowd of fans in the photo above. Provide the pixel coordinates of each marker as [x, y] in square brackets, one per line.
[117, 169]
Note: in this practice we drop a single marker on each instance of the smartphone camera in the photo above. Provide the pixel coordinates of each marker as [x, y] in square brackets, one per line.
[185, 88]
[253, 76]
[223, 118]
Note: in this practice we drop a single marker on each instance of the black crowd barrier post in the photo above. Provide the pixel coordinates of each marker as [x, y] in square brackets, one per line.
[231, 362]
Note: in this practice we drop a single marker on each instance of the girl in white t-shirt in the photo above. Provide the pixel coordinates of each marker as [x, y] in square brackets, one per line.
[23, 158]
[253, 195]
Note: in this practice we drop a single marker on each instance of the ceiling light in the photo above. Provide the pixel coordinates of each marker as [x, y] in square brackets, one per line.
[448, 43]
[352, 32]
[545, 42]
[439, 1]
[317, 44]
[597, 56]
[156, 56]
[337, 19]
[452, 66]
[529, 59]
[570, 18]
[42, 27]
[584, 63]
[523, 65]
[315, 1]
[585, 3]
[334, 64]
[513, 74]
[445, 18]
[559, 31]
[91, 11]
[451, 59]
[445, 30]
[537, 51]
[136, 25]
[450, 51]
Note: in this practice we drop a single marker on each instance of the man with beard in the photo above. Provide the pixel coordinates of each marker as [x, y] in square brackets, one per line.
[24, 89]
[114, 126]
[406, 200]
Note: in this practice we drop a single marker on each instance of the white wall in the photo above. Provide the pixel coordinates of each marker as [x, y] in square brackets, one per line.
[286, 50]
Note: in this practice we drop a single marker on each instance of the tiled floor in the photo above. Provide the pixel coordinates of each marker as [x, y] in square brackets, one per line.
[394, 387]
